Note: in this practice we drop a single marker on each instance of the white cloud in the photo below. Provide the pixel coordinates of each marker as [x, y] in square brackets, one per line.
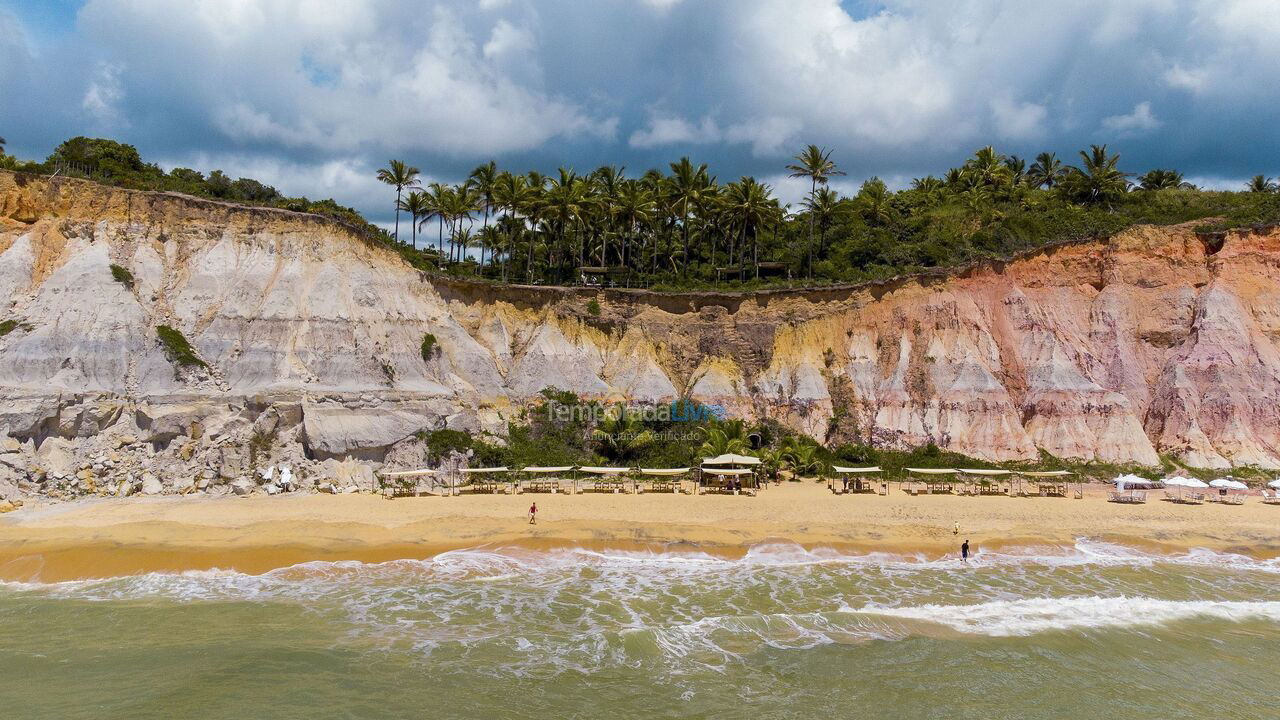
[667, 130]
[104, 96]
[1139, 121]
[1193, 79]
[1018, 121]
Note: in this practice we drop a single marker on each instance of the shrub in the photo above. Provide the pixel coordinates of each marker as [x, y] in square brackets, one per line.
[593, 307]
[429, 347]
[122, 275]
[177, 348]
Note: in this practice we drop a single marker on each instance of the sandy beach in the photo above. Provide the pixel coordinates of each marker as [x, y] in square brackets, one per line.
[101, 538]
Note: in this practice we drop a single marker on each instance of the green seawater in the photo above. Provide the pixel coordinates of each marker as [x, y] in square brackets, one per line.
[1090, 631]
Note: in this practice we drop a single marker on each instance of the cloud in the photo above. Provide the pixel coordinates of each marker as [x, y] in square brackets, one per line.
[898, 88]
[1018, 121]
[1139, 121]
[675, 131]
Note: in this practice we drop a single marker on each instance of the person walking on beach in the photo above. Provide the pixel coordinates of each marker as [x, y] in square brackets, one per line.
[955, 529]
[964, 550]
[533, 514]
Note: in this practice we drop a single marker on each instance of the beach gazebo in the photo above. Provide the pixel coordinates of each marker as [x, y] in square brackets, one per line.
[547, 479]
[859, 477]
[932, 478]
[488, 479]
[402, 482]
[608, 479]
[662, 479]
[730, 470]
[1050, 483]
[987, 481]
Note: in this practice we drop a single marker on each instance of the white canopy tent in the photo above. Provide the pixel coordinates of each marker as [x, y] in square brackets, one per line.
[605, 470]
[931, 471]
[855, 471]
[986, 473]
[731, 459]
[727, 472]
[486, 470]
[1046, 473]
[408, 473]
[661, 479]
[543, 470]
[854, 476]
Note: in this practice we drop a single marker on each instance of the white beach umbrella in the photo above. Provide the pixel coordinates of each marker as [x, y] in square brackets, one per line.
[1228, 484]
[1179, 481]
[1274, 483]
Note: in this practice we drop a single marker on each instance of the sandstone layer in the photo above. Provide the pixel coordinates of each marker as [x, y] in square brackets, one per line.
[1156, 341]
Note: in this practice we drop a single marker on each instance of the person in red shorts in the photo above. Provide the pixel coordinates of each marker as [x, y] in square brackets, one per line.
[533, 514]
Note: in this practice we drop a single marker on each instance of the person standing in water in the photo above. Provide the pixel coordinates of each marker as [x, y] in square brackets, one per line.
[964, 550]
[533, 514]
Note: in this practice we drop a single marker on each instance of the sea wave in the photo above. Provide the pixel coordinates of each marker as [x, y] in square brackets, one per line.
[1006, 618]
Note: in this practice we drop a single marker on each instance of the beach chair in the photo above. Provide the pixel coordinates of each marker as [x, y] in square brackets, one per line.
[1270, 498]
[1233, 499]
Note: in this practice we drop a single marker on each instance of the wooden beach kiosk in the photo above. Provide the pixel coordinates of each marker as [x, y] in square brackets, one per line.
[729, 473]
[932, 479]
[404, 483]
[857, 480]
[661, 479]
[607, 479]
[1048, 483]
[548, 479]
[982, 481]
[493, 480]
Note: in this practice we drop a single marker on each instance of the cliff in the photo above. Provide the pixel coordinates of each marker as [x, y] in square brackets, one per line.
[1157, 341]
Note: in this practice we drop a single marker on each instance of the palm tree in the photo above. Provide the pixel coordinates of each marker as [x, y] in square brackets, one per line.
[1017, 168]
[3, 142]
[748, 206]
[801, 457]
[621, 434]
[873, 202]
[1099, 180]
[1261, 184]
[438, 203]
[417, 205]
[1046, 171]
[688, 184]
[1163, 180]
[483, 179]
[401, 176]
[988, 167]
[814, 163]
[511, 193]
[634, 209]
[722, 440]
[823, 206]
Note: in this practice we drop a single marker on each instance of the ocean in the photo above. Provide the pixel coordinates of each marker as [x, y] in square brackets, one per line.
[1090, 630]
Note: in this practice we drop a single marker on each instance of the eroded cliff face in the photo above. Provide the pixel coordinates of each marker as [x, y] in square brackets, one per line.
[1155, 341]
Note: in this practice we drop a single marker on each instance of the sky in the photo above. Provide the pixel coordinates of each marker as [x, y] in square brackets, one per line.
[313, 96]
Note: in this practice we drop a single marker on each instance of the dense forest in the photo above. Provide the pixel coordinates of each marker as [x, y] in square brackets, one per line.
[685, 228]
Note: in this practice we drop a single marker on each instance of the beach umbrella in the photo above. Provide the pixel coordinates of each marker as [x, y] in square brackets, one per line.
[1130, 479]
[1179, 481]
[1275, 484]
[1228, 484]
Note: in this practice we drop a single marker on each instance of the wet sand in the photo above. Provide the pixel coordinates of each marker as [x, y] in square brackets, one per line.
[108, 537]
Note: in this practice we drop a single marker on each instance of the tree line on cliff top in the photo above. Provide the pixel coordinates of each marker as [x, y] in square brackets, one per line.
[684, 228]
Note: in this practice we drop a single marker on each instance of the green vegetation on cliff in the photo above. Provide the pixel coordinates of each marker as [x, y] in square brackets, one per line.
[686, 229]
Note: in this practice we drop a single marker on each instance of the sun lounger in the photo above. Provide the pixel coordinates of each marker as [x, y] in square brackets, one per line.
[1127, 498]
[1233, 499]
[1270, 498]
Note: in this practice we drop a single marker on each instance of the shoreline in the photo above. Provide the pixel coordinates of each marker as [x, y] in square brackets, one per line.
[110, 537]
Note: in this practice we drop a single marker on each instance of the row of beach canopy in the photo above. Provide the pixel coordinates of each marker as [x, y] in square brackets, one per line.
[1131, 481]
